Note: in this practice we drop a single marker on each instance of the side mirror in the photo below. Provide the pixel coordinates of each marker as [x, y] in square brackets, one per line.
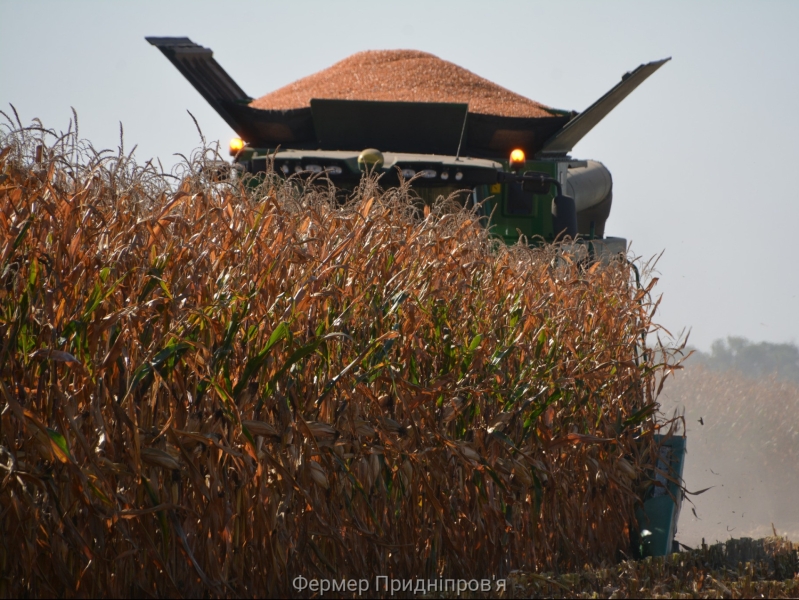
[531, 182]
[536, 186]
[537, 183]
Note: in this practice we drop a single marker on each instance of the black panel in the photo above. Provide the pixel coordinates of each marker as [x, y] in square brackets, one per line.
[491, 135]
[425, 127]
[271, 128]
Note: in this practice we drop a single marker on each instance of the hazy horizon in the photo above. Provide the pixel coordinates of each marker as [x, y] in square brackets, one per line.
[741, 447]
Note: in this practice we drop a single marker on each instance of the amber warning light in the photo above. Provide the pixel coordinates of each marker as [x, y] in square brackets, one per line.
[236, 145]
[517, 159]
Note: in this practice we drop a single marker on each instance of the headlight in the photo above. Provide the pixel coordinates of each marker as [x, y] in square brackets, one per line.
[236, 146]
[517, 159]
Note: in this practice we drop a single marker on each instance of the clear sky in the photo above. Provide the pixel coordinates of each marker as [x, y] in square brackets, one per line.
[704, 154]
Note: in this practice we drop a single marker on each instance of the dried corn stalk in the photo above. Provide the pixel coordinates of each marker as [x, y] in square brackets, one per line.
[214, 388]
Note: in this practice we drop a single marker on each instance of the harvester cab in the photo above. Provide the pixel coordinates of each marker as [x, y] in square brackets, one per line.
[509, 155]
[449, 147]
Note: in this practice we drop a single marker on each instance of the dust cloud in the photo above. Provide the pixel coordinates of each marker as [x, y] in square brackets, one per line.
[743, 443]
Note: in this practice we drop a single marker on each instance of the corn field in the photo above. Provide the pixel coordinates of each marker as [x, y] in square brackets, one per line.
[211, 387]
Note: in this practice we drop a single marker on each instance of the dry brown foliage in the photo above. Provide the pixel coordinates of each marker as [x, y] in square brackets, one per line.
[212, 388]
[740, 568]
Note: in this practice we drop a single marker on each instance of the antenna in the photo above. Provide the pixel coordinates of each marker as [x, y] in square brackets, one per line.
[463, 130]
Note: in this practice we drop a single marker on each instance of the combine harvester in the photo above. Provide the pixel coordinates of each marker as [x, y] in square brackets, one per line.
[392, 112]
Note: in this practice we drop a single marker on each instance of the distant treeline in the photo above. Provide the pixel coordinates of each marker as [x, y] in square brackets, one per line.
[751, 359]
